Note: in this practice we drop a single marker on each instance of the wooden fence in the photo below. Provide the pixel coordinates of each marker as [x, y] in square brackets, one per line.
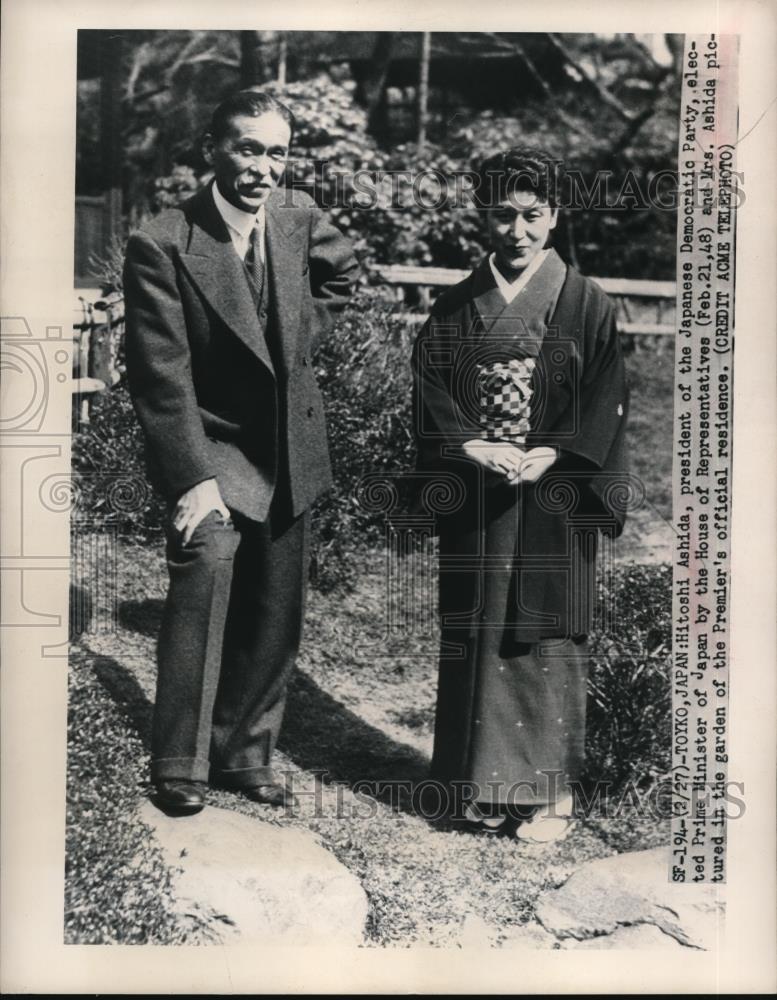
[98, 330]
[645, 308]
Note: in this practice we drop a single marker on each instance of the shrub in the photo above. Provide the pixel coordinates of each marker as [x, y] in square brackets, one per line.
[364, 373]
[629, 714]
[109, 474]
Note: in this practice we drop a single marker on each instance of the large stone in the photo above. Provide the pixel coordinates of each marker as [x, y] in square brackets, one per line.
[633, 936]
[251, 881]
[607, 895]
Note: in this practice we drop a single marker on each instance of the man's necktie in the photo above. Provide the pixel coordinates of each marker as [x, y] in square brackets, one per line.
[253, 259]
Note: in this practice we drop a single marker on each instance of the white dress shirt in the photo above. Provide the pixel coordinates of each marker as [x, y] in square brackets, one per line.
[510, 289]
[239, 224]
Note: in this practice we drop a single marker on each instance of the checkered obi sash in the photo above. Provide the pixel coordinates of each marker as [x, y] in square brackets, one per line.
[513, 334]
[504, 394]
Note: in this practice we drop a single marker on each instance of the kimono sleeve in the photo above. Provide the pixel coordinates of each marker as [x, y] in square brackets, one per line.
[601, 397]
[440, 424]
[593, 445]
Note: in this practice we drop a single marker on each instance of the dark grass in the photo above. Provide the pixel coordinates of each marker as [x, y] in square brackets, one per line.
[629, 703]
[650, 368]
[117, 887]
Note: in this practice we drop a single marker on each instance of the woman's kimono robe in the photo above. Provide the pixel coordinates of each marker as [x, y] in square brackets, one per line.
[517, 562]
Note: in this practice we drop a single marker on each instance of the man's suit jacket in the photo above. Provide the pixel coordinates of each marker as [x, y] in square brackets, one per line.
[211, 399]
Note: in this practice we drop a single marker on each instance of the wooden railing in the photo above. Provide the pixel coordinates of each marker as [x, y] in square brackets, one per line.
[643, 307]
[98, 330]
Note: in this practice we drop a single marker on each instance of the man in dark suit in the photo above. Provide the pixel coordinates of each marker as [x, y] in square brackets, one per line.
[226, 299]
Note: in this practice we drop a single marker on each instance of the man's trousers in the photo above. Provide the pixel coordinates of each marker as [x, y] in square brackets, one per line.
[229, 637]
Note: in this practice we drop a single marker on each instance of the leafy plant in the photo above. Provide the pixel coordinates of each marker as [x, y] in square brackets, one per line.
[628, 731]
[109, 473]
[364, 374]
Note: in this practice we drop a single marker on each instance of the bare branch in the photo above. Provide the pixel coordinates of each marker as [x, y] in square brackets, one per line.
[148, 94]
[214, 57]
[639, 50]
[183, 56]
[141, 58]
[498, 42]
[675, 44]
[603, 94]
[547, 90]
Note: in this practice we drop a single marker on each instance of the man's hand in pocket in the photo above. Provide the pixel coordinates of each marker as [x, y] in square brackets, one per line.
[194, 505]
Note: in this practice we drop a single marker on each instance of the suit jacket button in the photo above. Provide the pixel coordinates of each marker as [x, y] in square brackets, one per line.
[311, 411]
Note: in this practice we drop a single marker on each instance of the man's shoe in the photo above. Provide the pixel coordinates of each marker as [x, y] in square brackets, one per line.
[180, 797]
[271, 795]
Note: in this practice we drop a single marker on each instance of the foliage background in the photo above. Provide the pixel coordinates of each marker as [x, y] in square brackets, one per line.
[603, 103]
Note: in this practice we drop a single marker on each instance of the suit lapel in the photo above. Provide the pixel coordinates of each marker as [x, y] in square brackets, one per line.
[286, 258]
[214, 266]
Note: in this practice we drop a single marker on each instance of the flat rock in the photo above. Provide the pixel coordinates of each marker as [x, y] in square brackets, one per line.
[605, 896]
[251, 881]
[632, 936]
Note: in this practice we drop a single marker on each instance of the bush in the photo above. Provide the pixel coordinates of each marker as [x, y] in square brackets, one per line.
[629, 714]
[109, 473]
[364, 373]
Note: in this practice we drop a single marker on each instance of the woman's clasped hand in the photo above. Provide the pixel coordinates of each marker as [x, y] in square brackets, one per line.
[515, 464]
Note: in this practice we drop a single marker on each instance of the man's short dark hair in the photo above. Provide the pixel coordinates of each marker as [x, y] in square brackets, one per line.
[520, 168]
[252, 103]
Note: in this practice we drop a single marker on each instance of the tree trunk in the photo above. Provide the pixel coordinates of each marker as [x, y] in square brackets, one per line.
[423, 88]
[250, 62]
[374, 83]
[282, 60]
[111, 133]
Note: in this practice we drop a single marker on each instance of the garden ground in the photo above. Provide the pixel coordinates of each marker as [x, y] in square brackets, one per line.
[360, 714]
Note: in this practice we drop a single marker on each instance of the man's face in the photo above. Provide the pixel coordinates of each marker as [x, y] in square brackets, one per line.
[250, 159]
[518, 227]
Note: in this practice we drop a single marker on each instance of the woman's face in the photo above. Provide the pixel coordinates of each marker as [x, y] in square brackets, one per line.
[518, 228]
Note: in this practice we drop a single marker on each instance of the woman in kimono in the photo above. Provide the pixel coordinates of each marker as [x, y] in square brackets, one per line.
[520, 404]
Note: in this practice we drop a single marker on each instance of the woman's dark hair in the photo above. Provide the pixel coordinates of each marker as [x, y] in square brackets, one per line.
[520, 168]
[246, 102]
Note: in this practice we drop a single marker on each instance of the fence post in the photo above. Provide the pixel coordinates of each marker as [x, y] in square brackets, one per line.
[84, 341]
